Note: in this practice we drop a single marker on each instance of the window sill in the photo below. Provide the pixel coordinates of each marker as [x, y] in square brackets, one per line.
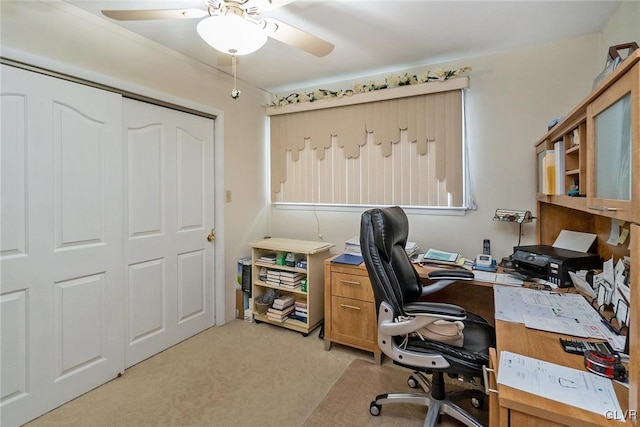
[411, 210]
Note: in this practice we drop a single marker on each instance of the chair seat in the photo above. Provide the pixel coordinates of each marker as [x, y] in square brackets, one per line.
[467, 360]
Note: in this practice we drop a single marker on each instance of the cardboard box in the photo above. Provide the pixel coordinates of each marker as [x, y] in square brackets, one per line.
[239, 304]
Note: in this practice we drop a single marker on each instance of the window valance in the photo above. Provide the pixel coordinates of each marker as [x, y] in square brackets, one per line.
[429, 125]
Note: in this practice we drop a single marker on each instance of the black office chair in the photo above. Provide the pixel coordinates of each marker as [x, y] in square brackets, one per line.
[397, 289]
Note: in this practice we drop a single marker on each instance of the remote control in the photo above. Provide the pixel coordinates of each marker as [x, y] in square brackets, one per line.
[579, 347]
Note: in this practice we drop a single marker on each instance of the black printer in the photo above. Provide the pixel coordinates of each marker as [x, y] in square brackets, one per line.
[552, 264]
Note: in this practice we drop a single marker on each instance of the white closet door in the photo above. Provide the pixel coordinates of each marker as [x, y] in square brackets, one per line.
[61, 284]
[169, 213]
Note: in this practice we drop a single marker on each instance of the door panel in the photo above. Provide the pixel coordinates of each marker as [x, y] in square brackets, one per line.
[61, 286]
[169, 193]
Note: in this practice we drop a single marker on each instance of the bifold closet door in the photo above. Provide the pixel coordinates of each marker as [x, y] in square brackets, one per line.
[168, 216]
[61, 285]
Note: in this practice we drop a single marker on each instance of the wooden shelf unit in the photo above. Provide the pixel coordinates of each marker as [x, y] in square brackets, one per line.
[558, 212]
[314, 254]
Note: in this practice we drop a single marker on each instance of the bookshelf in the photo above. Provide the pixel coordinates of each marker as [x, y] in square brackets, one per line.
[606, 121]
[295, 268]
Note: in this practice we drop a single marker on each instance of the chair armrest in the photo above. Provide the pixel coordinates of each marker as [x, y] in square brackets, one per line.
[435, 309]
[420, 314]
[445, 278]
[451, 275]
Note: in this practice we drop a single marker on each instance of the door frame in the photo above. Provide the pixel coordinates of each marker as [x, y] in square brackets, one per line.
[130, 90]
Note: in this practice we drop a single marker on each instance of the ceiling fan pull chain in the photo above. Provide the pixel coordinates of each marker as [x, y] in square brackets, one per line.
[235, 93]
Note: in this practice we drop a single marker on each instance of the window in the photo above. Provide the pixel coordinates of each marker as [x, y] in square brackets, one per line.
[405, 151]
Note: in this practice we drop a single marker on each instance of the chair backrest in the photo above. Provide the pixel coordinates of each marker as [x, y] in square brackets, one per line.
[383, 237]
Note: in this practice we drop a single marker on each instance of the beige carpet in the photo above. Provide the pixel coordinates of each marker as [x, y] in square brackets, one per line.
[240, 374]
[244, 374]
[347, 403]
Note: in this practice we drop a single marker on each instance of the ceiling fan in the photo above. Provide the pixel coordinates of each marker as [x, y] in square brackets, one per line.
[234, 27]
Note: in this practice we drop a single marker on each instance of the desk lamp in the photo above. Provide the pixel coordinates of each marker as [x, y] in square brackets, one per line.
[514, 216]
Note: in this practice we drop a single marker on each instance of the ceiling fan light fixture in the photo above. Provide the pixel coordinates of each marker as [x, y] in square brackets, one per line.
[231, 34]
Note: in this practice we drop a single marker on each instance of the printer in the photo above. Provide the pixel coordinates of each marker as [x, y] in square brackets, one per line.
[551, 263]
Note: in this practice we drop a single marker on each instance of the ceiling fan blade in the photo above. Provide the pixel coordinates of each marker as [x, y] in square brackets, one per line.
[150, 14]
[292, 36]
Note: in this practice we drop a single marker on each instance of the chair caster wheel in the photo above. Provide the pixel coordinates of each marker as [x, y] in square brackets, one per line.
[477, 402]
[412, 382]
[375, 409]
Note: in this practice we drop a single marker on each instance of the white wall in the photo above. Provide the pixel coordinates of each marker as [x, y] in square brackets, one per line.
[623, 27]
[513, 96]
[67, 39]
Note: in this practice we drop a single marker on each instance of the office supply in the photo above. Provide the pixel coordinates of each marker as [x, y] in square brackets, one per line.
[579, 347]
[563, 313]
[483, 260]
[491, 267]
[582, 285]
[575, 241]
[552, 264]
[574, 387]
[348, 259]
[497, 278]
[442, 257]
[605, 364]
[558, 149]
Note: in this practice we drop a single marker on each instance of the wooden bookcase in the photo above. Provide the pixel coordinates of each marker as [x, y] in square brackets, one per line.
[588, 212]
[314, 254]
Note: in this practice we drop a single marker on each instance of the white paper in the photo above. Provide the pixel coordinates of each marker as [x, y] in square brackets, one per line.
[573, 387]
[582, 285]
[499, 278]
[574, 240]
[558, 325]
[561, 312]
[614, 234]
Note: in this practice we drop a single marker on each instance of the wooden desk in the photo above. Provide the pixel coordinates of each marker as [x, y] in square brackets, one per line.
[350, 310]
[518, 408]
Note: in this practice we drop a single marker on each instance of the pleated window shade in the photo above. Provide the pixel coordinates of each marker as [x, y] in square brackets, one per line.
[405, 151]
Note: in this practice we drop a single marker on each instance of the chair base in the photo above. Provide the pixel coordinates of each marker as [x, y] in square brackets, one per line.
[436, 407]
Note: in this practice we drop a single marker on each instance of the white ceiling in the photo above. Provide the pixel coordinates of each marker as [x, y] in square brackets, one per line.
[374, 37]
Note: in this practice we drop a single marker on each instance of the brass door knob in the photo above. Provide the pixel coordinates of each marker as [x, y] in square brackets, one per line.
[211, 237]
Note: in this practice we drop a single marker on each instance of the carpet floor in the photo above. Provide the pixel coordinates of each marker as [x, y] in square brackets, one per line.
[244, 374]
[347, 403]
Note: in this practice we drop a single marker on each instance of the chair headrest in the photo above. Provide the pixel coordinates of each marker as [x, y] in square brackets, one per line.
[391, 228]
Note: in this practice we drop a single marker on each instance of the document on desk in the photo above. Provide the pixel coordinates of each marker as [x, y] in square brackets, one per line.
[574, 387]
[498, 278]
[561, 313]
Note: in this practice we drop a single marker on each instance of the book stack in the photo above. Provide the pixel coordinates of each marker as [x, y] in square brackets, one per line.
[269, 258]
[352, 246]
[300, 312]
[273, 277]
[281, 309]
[291, 279]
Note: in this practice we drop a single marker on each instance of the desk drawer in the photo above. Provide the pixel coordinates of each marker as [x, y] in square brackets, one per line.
[353, 322]
[351, 286]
